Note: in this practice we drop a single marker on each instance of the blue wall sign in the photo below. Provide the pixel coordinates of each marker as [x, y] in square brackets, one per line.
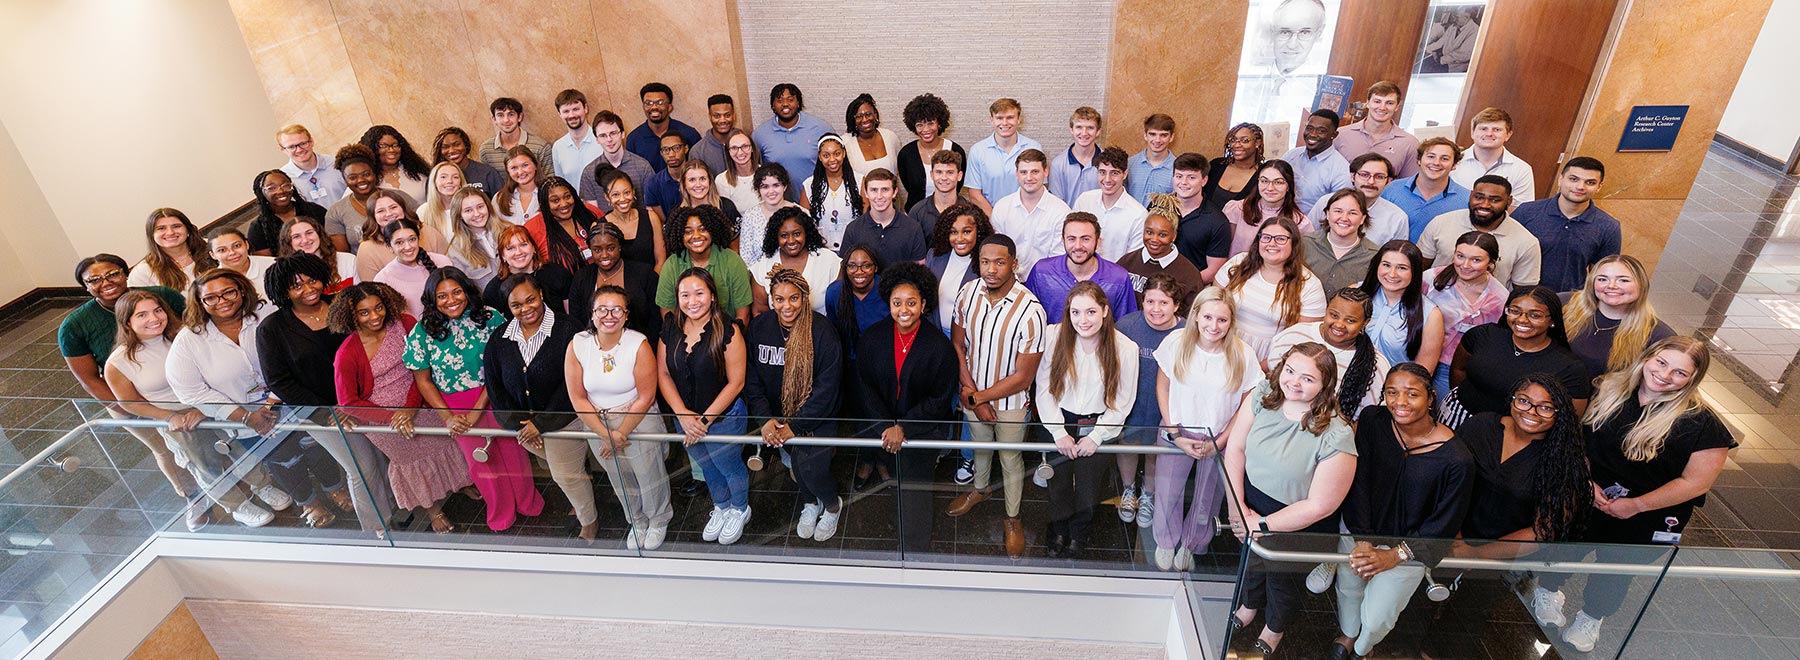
[1652, 127]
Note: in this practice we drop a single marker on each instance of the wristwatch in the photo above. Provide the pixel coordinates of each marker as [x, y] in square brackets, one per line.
[1406, 553]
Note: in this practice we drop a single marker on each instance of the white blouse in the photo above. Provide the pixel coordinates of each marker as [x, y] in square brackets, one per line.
[215, 375]
[609, 376]
[1258, 317]
[148, 373]
[142, 276]
[1087, 392]
[1200, 402]
[835, 214]
[891, 162]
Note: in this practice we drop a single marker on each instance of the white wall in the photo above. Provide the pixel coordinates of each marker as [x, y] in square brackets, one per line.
[1760, 113]
[34, 251]
[117, 108]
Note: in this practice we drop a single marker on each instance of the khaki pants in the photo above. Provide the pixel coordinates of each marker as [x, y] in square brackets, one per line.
[637, 475]
[1010, 427]
[568, 468]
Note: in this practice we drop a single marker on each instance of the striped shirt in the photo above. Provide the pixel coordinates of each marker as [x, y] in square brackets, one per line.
[997, 334]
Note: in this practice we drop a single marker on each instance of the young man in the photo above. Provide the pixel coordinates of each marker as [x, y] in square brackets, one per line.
[1371, 174]
[1159, 256]
[1031, 217]
[609, 132]
[646, 139]
[1319, 170]
[1380, 131]
[1121, 216]
[1203, 234]
[315, 180]
[452, 145]
[998, 333]
[1492, 128]
[721, 115]
[1072, 173]
[575, 149]
[1430, 193]
[509, 132]
[1520, 256]
[895, 236]
[992, 160]
[1153, 169]
[1080, 262]
[946, 182]
[664, 191]
[1571, 230]
[791, 138]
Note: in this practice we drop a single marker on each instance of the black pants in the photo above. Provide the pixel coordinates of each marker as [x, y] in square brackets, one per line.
[1075, 484]
[1605, 594]
[1277, 589]
[812, 471]
[916, 508]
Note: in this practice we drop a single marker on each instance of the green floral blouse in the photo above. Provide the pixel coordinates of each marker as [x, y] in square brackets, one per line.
[455, 362]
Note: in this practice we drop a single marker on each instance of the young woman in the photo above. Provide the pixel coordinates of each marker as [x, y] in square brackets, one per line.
[295, 346]
[876, 147]
[610, 373]
[374, 387]
[1202, 374]
[1274, 198]
[1271, 287]
[305, 235]
[411, 266]
[792, 242]
[176, 252]
[928, 117]
[1412, 482]
[1531, 472]
[523, 365]
[213, 366]
[1655, 448]
[904, 360]
[609, 267]
[700, 231]
[1290, 462]
[560, 231]
[1467, 294]
[1361, 368]
[1158, 317]
[231, 250]
[436, 212]
[1404, 324]
[792, 383]
[475, 239]
[737, 181]
[135, 371]
[517, 199]
[1610, 318]
[276, 203]
[641, 226]
[1528, 340]
[1233, 176]
[700, 368]
[853, 304]
[444, 353]
[1084, 392]
[831, 192]
[771, 186]
[959, 229]
[399, 166]
[385, 208]
[697, 189]
[346, 221]
[1340, 255]
[520, 254]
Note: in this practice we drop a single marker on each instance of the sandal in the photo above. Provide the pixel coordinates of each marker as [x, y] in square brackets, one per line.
[317, 516]
[472, 493]
[341, 500]
[441, 524]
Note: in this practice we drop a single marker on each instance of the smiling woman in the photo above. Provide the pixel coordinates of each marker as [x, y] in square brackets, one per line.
[1528, 339]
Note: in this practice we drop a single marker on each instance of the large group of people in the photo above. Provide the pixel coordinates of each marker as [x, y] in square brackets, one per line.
[1373, 336]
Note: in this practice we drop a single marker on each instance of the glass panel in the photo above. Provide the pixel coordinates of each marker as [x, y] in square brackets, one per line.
[1702, 610]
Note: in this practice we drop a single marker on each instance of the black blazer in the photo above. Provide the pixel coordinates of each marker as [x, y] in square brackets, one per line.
[925, 389]
[519, 392]
[296, 361]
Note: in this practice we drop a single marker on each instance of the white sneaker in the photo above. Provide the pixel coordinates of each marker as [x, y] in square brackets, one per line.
[1583, 633]
[654, 539]
[714, 523]
[1321, 577]
[1184, 560]
[1128, 503]
[809, 520]
[965, 472]
[1547, 607]
[733, 529]
[828, 523]
[195, 513]
[1146, 508]
[631, 539]
[1165, 559]
[276, 498]
[249, 514]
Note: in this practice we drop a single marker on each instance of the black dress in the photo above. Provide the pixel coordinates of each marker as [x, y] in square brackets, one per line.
[1217, 196]
[1489, 387]
[1504, 499]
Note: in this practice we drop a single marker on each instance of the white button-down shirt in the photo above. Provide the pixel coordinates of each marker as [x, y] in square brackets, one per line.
[1121, 225]
[216, 375]
[1037, 232]
[570, 157]
[1516, 171]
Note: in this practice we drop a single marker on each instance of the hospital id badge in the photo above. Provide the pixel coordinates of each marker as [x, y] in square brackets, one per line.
[1668, 535]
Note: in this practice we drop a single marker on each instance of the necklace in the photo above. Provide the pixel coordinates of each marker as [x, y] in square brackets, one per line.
[608, 358]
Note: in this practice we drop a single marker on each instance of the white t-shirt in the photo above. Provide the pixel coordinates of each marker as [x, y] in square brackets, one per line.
[820, 271]
[950, 284]
[860, 167]
[1258, 317]
[147, 373]
[743, 194]
[1306, 332]
[1200, 401]
[835, 214]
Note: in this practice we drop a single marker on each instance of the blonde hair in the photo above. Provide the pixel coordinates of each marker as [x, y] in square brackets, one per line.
[1583, 311]
[292, 129]
[463, 239]
[1004, 104]
[712, 191]
[797, 369]
[1651, 430]
[434, 212]
[1189, 339]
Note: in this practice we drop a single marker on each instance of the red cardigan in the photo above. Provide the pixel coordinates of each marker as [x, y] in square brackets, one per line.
[356, 380]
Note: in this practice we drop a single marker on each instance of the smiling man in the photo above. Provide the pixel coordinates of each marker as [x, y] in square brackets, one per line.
[1121, 216]
[721, 117]
[609, 132]
[1430, 193]
[790, 138]
[1371, 174]
[575, 149]
[1031, 217]
[1053, 277]
[1492, 128]
[1319, 170]
[314, 178]
[1574, 233]
[646, 139]
[1520, 257]
[1380, 132]
[992, 160]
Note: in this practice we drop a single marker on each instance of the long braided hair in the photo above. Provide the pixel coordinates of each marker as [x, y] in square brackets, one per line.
[820, 188]
[1560, 478]
[797, 369]
[1360, 374]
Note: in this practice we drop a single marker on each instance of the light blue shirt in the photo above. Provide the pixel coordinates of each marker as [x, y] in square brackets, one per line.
[795, 149]
[322, 185]
[1387, 325]
[1404, 193]
[1317, 176]
[571, 157]
[1069, 178]
[1143, 179]
[992, 169]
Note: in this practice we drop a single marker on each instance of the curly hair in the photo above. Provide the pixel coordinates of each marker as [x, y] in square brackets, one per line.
[772, 234]
[286, 271]
[1324, 406]
[1359, 376]
[353, 153]
[411, 163]
[437, 143]
[926, 107]
[1256, 137]
[1560, 477]
[916, 275]
[341, 318]
[946, 222]
[437, 324]
[718, 228]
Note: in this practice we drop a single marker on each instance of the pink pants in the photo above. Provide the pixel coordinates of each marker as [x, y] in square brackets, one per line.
[505, 479]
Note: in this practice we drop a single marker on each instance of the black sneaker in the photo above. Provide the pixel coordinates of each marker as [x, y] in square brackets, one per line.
[965, 472]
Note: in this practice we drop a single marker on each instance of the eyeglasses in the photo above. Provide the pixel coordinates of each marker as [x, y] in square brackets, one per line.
[1523, 404]
[1265, 181]
[109, 276]
[388, 146]
[1240, 140]
[859, 266]
[286, 187]
[1278, 239]
[669, 149]
[297, 146]
[1372, 176]
[609, 312]
[657, 104]
[213, 299]
[864, 115]
[1289, 34]
[740, 147]
[1533, 315]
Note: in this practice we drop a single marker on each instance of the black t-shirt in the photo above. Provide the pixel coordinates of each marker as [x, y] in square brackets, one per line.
[1695, 432]
[1203, 233]
[1493, 368]
[1421, 494]
[1505, 500]
[1216, 195]
[698, 376]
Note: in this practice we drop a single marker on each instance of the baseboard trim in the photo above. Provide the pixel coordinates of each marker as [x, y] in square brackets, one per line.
[1749, 152]
[41, 293]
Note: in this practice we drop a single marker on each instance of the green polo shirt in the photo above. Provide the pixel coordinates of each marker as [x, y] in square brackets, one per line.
[727, 269]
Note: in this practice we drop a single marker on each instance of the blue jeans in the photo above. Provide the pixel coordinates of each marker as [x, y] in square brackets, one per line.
[727, 478]
[1440, 381]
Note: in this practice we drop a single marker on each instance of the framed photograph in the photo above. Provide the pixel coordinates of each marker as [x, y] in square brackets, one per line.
[1287, 45]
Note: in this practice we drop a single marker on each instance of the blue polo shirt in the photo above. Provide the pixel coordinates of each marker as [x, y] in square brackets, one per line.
[993, 169]
[664, 193]
[1069, 178]
[1317, 176]
[795, 149]
[644, 142]
[1404, 193]
[1570, 246]
[1143, 179]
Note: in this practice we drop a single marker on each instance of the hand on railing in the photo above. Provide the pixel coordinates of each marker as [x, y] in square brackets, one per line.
[776, 433]
[403, 423]
[892, 438]
[1368, 561]
[693, 428]
[529, 435]
[186, 420]
[261, 420]
[1198, 447]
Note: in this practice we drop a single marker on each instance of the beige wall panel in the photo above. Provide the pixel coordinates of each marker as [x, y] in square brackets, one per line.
[1177, 58]
[304, 65]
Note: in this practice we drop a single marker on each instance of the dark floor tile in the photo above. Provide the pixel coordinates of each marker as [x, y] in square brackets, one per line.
[1759, 508]
[1773, 475]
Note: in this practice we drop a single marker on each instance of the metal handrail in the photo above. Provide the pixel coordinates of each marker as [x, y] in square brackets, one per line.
[1475, 563]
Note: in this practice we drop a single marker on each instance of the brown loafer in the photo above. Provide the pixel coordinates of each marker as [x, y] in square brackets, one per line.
[1015, 538]
[965, 502]
[341, 500]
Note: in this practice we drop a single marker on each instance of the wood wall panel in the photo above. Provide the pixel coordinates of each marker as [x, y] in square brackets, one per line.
[1377, 40]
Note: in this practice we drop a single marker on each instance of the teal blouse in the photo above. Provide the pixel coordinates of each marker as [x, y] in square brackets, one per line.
[455, 362]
